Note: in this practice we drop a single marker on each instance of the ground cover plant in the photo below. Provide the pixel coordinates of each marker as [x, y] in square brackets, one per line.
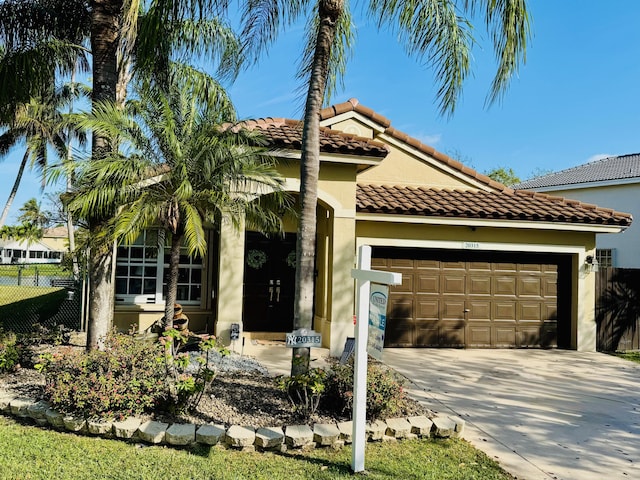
[34, 453]
[631, 356]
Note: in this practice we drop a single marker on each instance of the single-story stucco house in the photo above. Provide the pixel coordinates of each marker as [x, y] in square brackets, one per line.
[482, 265]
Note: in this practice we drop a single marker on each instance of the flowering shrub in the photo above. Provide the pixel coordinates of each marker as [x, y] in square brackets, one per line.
[126, 378]
[385, 396]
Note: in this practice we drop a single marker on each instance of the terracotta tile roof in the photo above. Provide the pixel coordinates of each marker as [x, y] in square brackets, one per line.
[287, 134]
[513, 205]
[607, 169]
[353, 105]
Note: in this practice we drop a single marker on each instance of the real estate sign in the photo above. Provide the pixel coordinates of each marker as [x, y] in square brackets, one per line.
[378, 298]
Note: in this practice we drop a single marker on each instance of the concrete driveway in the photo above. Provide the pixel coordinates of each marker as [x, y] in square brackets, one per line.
[543, 414]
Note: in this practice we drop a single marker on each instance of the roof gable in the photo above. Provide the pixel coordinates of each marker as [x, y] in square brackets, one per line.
[352, 108]
[617, 169]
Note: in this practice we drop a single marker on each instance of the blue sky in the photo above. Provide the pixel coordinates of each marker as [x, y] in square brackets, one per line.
[577, 97]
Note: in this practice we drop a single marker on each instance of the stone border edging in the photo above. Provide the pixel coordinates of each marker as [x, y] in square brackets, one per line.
[237, 437]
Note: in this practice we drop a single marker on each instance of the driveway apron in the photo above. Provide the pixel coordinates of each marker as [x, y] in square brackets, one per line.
[543, 414]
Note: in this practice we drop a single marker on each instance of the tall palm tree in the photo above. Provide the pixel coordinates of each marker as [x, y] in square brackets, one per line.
[177, 168]
[437, 32]
[39, 124]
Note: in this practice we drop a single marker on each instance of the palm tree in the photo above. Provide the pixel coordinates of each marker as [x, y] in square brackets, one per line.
[33, 214]
[39, 123]
[437, 32]
[177, 168]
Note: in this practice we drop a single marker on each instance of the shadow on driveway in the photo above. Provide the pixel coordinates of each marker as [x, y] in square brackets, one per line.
[543, 414]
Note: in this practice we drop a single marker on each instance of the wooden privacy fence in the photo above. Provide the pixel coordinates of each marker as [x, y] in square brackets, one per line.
[618, 309]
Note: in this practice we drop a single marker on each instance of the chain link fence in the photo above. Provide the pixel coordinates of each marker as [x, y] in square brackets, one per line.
[38, 295]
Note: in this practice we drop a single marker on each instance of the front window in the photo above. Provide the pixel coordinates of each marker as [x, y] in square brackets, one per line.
[142, 271]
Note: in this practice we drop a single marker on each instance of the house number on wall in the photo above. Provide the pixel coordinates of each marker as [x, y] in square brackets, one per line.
[471, 245]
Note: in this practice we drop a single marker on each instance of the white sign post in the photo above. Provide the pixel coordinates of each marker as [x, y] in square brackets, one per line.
[364, 275]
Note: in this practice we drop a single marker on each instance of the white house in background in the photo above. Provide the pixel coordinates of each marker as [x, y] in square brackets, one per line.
[49, 249]
[612, 182]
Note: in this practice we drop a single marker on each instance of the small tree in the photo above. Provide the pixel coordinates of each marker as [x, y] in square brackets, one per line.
[178, 167]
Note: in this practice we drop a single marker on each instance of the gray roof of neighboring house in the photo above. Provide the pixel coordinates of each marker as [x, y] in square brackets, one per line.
[604, 170]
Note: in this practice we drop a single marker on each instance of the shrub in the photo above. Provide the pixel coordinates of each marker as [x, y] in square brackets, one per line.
[304, 390]
[385, 395]
[189, 367]
[9, 351]
[126, 378]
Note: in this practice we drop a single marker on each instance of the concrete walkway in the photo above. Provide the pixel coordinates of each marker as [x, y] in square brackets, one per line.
[543, 414]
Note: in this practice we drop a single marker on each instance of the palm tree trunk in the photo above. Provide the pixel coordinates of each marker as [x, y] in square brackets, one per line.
[172, 281]
[14, 190]
[329, 11]
[105, 26]
[71, 234]
[101, 294]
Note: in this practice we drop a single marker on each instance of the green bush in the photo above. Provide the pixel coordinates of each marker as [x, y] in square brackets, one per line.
[9, 351]
[127, 378]
[385, 395]
[304, 390]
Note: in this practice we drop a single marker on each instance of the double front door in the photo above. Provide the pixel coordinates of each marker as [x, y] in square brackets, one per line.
[269, 282]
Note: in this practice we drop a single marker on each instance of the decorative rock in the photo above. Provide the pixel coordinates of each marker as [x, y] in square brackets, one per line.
[411, 436]
[389, 438]
[54, 418]
[420, 425]
[210, 434]
[152, 431]
[181, 434]
[346, 431]
[337, 445]
[398, 427]
[325, 434]
[74, 424]
[37, 412]
[5, 402]
[297, 436]
[100, 427]
[20, 406]
[126, 428]
[443, 427]
[239, 437]
[460, 423]
[271, 437]
[374, 431]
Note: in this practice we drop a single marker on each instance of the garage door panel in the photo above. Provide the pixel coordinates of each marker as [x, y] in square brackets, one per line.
[447, 265]
[428, 283]
[452, 334]
[505, 336]
[479, 336]
[427, 264]
[400, 307]
[504, 310]
[407, 284]
[530, 311]
[550, 287]
[478, 310]
[504, 285]
[529, 286]
[399, 333]
[427, 308]
[452, 284]
[505, 267]
[485, 267]
[452, 309]
[479, 285]
[427, 334]
[528, 337]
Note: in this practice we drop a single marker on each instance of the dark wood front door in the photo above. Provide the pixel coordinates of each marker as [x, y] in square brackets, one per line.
[269, 289]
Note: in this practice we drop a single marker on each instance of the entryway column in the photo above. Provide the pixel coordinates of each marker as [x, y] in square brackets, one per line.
[230, 280]
[342, 284]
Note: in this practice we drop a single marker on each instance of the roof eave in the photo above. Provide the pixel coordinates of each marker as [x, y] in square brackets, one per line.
[492, 223]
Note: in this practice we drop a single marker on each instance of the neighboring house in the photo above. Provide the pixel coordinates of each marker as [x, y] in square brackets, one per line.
[482, 265]
[13, 251]
[612, 182]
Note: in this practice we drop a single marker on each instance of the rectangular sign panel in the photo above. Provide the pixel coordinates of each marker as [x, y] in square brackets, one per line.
[378, 298]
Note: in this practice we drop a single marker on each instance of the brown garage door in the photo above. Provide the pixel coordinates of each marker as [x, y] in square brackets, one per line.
[471, 299]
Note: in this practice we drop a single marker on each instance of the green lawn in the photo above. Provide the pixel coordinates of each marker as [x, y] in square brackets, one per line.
[632, 356]
[14, 293]
[35, 453]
